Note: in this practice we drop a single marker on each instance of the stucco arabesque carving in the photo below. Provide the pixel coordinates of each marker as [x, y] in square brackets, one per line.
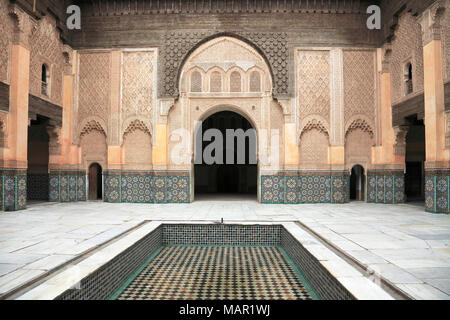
[400, 133]
[25, 25]
[178, 45]
[430, 21]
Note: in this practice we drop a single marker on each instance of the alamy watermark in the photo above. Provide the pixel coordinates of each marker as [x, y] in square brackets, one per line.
[234, 146]
[74, 18]
[374, 20]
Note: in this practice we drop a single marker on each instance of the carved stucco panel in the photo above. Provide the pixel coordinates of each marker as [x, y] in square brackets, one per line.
[177, 45]
[313, 84]
[94, 85]
[47, 48]
[359, 84]
[406, 47]
[137, 84]
[6, 39]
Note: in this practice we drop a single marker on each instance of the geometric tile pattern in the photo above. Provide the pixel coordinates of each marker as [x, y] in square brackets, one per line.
[221, 235]
[103, 282]
[386, 187]
[67, 186]
[437, 190]
[13, 189]
[37, 186]
[325, 285]
[279, 269]
[217, 273]
[146, 187]
[305, 188]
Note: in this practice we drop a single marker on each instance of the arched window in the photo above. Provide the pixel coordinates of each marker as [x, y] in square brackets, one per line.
[45, 78]
[408, 78]
[235, 82]
[196, 82]
[216, 82]
[255, 82]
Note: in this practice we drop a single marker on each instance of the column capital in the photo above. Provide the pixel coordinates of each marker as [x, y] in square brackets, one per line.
[400, 133]
[386, 58]
[164, 109]
[24, 26]
[430, 21]
[68, 60]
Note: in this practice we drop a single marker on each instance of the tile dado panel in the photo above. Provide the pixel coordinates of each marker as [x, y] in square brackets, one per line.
[386, 187]
[37, 186]
[147, 187]
[13, 189]
[302, 187]
[437, 190]
[67, 186]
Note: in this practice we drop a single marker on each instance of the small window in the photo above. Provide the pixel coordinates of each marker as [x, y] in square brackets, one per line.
[216, 82]
[196, 82]
[255, 82]
[235, 82]
[408, 79]
[45, 79]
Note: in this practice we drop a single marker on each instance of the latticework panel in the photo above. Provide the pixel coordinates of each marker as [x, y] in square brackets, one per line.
[445, 36]
[235, 82]
[196, 82]
[6, 37]
[216, 82]
[46, 47]
[94, 85]
[255, 82]
[406, 45]
[359, 84]
[358, 147]
[314, 147]
[137, 92]
[314, 83]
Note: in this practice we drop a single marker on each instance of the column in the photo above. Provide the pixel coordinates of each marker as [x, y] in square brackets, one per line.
[437, 165]
[386, 180]
[15, 160]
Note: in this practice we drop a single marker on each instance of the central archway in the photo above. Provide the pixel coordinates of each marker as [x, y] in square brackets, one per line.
[234, 176]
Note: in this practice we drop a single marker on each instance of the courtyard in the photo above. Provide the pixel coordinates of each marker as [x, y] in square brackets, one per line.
[406, 246]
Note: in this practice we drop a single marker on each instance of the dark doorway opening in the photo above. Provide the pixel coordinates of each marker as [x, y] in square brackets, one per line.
[415, 161]
[357, 183]
[235, 180]
[95, 182]
[38, 159]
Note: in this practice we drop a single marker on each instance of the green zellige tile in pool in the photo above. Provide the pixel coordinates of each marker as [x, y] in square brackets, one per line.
[217, 273]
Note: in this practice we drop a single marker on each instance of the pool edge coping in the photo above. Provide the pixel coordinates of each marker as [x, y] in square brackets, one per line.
[65, 280]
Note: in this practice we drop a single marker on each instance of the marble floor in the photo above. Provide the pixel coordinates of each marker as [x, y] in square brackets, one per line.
[405, 245]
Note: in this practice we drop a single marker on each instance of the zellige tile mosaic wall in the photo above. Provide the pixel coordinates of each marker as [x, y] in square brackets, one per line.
[302, 187]
[386, 187]
[67, 186]
[437, 190]
[146, 187]
[13, 189]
